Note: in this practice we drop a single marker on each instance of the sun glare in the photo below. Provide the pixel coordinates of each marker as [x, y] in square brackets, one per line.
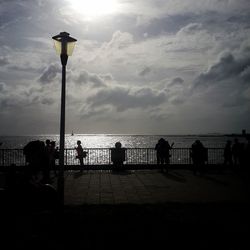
[91, 9]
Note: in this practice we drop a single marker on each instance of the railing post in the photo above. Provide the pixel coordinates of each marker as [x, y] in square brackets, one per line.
[147, 156]
[66, 156]
[189, 155]
[2, 158]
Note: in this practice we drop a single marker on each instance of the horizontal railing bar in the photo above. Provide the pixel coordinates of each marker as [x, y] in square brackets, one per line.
[112, 167]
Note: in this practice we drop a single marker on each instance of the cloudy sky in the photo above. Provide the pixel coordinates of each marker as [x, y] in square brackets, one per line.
[139, 66]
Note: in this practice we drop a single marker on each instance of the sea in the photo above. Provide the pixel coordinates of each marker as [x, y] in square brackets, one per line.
[128, 141]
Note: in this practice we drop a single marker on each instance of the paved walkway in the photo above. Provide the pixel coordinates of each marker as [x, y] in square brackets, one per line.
[176, 210]
[152, 186]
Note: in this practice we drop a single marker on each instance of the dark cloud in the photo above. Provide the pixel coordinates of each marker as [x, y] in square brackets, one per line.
[3, 61]
[97, 81]
[236, 100]
[226, 83]
[49, 74]
[178, 100]
[2, 87]
[48, 101]
[106, 77]
[98, 113]
[123, 99]
[191, 28]
[245, 74]
[228, 68]
[176, 81]
[170, 24]
[145, 71]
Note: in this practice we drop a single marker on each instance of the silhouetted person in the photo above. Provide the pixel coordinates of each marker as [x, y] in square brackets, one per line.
[118, 155]
[228, 153]
[236, 151]
[80, 153]
[163, 153]
[199, 156]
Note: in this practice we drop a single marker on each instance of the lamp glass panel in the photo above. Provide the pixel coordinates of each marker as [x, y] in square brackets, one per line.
[70, 48]
[58, 47]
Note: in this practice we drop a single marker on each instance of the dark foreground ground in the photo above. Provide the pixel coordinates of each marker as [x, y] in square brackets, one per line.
[204, 212]
[168, 226]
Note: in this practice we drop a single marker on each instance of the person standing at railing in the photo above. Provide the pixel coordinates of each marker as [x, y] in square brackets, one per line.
[118, 155]
[80, 153]
[163, 153]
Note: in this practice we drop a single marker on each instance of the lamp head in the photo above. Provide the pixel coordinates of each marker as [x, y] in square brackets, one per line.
[64, 44]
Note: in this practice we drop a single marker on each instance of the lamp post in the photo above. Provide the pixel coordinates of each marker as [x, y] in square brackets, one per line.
[64, 45]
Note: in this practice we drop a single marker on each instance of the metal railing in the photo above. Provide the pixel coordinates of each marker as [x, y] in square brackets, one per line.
[102, 156]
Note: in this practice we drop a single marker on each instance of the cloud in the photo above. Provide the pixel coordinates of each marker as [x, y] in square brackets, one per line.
[228, 68]
[120, 40]
[98, 113]
[178, 81]
[47, 101]
[86, 77]
[3, 61]
[225, 83]
[2, 87]
[143, 58]
[191, 28]
[123, 98]
[49, 74]
[145, 71]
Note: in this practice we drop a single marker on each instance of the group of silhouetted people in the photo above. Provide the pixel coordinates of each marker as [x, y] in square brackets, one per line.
[237, 154]
[27, 189]
[42, 156]
[198, 155]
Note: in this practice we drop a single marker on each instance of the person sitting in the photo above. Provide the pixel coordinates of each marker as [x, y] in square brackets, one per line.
[163, 153]
[118, 155]
[199, 156]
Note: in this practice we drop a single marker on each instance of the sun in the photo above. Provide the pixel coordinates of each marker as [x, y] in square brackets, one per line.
[91, 9]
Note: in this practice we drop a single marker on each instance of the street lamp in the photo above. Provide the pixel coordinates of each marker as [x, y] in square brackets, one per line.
[64, 45]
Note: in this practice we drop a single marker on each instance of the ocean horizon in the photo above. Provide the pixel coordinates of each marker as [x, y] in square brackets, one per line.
[127, 140]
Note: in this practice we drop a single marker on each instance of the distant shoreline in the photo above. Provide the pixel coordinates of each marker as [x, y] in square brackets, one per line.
[160, 135]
